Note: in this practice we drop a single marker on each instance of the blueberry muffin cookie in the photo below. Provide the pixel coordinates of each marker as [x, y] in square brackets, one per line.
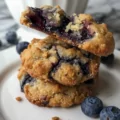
[77, 30]
[55, 61]
[49, 94]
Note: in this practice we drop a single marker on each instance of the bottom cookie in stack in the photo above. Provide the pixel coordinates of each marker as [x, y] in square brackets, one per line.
[51, 94]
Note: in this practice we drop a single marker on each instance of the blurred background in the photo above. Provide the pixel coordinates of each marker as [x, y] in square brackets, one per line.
[107, 11]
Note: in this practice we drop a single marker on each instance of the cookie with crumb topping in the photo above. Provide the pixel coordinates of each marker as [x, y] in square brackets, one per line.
[55, 61]
[79, 30]
[49, 94]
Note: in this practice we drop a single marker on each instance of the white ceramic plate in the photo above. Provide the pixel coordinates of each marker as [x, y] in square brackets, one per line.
[108, 90]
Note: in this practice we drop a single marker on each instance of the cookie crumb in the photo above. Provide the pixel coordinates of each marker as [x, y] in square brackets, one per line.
[55, 118]
[18, 99]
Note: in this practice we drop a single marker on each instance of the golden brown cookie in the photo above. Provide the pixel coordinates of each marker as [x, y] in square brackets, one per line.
[49, 94]
[55, 61]
[80, 30]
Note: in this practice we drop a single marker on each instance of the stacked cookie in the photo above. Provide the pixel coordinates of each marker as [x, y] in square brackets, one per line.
[61, 70]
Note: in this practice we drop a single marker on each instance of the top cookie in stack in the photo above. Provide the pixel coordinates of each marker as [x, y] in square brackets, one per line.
[78, 30]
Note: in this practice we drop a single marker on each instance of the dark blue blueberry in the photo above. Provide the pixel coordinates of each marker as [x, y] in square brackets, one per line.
[110, 113]
[100, 17]
[90, 81]
[0, 43]
[26, 79]
[21, 46]
[85, 68]
[65, 21]
[36, 19]
[108, 60]
[85, 34]
[119, 49]
[92, 106]
[11, 37]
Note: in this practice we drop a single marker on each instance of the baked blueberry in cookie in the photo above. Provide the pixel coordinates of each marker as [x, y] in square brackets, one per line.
[51, 94]
[27, 79]
[55, 61]
[77, 30]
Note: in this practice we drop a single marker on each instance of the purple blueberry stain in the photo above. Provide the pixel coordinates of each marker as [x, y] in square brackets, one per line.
[41, 19]
[36, 18]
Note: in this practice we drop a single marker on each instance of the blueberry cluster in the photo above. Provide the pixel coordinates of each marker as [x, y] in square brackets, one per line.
[93, 107]
[12, 39]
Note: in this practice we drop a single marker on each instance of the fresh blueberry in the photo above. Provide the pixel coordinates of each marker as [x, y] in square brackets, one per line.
[108, 60]
[92, 106]
[100, 17]
[11, 37]
[119, 49]
[110, 113]
[0, 43]
[21, 46]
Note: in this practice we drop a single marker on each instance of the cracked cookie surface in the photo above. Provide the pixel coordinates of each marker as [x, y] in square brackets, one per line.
[78, 30]
[55, 61]
[49, 94]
